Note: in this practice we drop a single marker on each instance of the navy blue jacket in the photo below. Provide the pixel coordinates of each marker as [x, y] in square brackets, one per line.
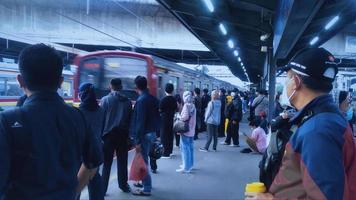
[146, 117]
[42, 146]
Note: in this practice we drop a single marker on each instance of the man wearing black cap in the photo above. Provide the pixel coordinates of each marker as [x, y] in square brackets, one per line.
[319, 160]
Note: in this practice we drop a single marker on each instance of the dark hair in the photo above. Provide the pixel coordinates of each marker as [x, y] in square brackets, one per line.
[278, 96]
[223, 90]
[141, 82]
[197, 91]
[169, 88]
[255, 122]
[263, 92]
[116, 84]
[205, 90]
[178, 98]
[342, 96]
[316, 85]
[41, 67]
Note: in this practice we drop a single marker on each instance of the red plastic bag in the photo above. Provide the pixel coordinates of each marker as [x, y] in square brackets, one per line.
[138, 170]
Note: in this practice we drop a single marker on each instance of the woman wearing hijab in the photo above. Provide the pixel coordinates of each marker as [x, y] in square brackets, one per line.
[188, 114]
[94, 116]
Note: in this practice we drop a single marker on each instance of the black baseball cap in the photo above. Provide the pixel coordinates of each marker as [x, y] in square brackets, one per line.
[316, 63]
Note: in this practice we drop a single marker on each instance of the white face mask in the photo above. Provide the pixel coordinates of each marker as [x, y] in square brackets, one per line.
[285, 100]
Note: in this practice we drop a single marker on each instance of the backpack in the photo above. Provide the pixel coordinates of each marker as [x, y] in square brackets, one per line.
[156, 150]
[272, 158]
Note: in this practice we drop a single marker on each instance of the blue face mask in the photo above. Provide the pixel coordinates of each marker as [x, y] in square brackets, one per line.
[349, 114]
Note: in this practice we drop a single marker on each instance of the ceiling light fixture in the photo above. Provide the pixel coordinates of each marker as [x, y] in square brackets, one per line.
[236, 53]
[239, 59]
[230, 43]
[332, 22]
[209, 5]
[314, 40]
[222, 29]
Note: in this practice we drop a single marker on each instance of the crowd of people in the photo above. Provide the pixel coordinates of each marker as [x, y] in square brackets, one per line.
[51, 150]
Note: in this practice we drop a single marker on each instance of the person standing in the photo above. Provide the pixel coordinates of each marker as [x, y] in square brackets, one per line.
[167, 107]
[222, 113]
[212, 120]
[117, 114]
[205, 99]
[234, 115]
[94, 116]
[146, 124]
[198, 106]
[188, 114]
[345, 107]
[47, 150]
[260, 104]
[278, 109]
[179, 109]
[319, 160]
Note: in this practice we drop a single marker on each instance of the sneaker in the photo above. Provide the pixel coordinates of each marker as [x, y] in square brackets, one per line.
[154, 171]
[203, 149]
[224, 143]
[181, 166]
[215, 150]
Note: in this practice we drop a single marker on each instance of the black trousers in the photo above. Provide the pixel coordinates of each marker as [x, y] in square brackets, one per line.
[167, 135]
[116, 141]
[177, 138]
[222, 127]
[153, 163]
[232, 133]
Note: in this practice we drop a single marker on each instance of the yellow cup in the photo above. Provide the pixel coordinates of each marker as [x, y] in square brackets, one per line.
[255, 187]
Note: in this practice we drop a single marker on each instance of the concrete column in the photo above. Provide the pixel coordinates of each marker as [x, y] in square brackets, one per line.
[272, 83]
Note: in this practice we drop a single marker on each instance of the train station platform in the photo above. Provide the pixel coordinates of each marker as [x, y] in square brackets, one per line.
[217, 175]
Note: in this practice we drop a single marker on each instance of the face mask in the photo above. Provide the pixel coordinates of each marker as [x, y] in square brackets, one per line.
[349, 114]
[285, 100]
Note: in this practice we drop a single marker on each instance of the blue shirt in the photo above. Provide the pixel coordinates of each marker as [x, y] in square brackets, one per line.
[146, 117]
[42, 148]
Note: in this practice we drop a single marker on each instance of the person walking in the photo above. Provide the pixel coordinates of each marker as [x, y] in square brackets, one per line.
[260, 104]
[188, 114]
[198, 106]
[117, 114]
[48, 150]
[146, 124]
[234, 115]
[319, 160]
[94, 116]
[167, 108]
[222, 113]
[212, 120]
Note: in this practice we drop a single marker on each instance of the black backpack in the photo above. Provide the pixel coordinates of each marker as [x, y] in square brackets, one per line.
[272, 158]
[156, 150]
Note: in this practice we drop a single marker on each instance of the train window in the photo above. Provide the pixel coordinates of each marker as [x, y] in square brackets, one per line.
[9, 86]
[90, 71]
[188, 85]
[174, 81]
[124, 68]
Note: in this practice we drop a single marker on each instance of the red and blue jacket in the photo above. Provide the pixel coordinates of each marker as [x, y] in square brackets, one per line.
[320, 157]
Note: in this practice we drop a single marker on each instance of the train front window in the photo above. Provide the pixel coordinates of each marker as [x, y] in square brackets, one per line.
[90, 71]
[124, 68]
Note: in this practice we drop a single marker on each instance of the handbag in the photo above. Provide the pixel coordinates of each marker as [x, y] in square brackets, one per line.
[180, 126]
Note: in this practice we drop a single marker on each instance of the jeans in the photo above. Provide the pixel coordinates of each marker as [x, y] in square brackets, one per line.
[146, 144]
[212, 133]
[187, 150]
